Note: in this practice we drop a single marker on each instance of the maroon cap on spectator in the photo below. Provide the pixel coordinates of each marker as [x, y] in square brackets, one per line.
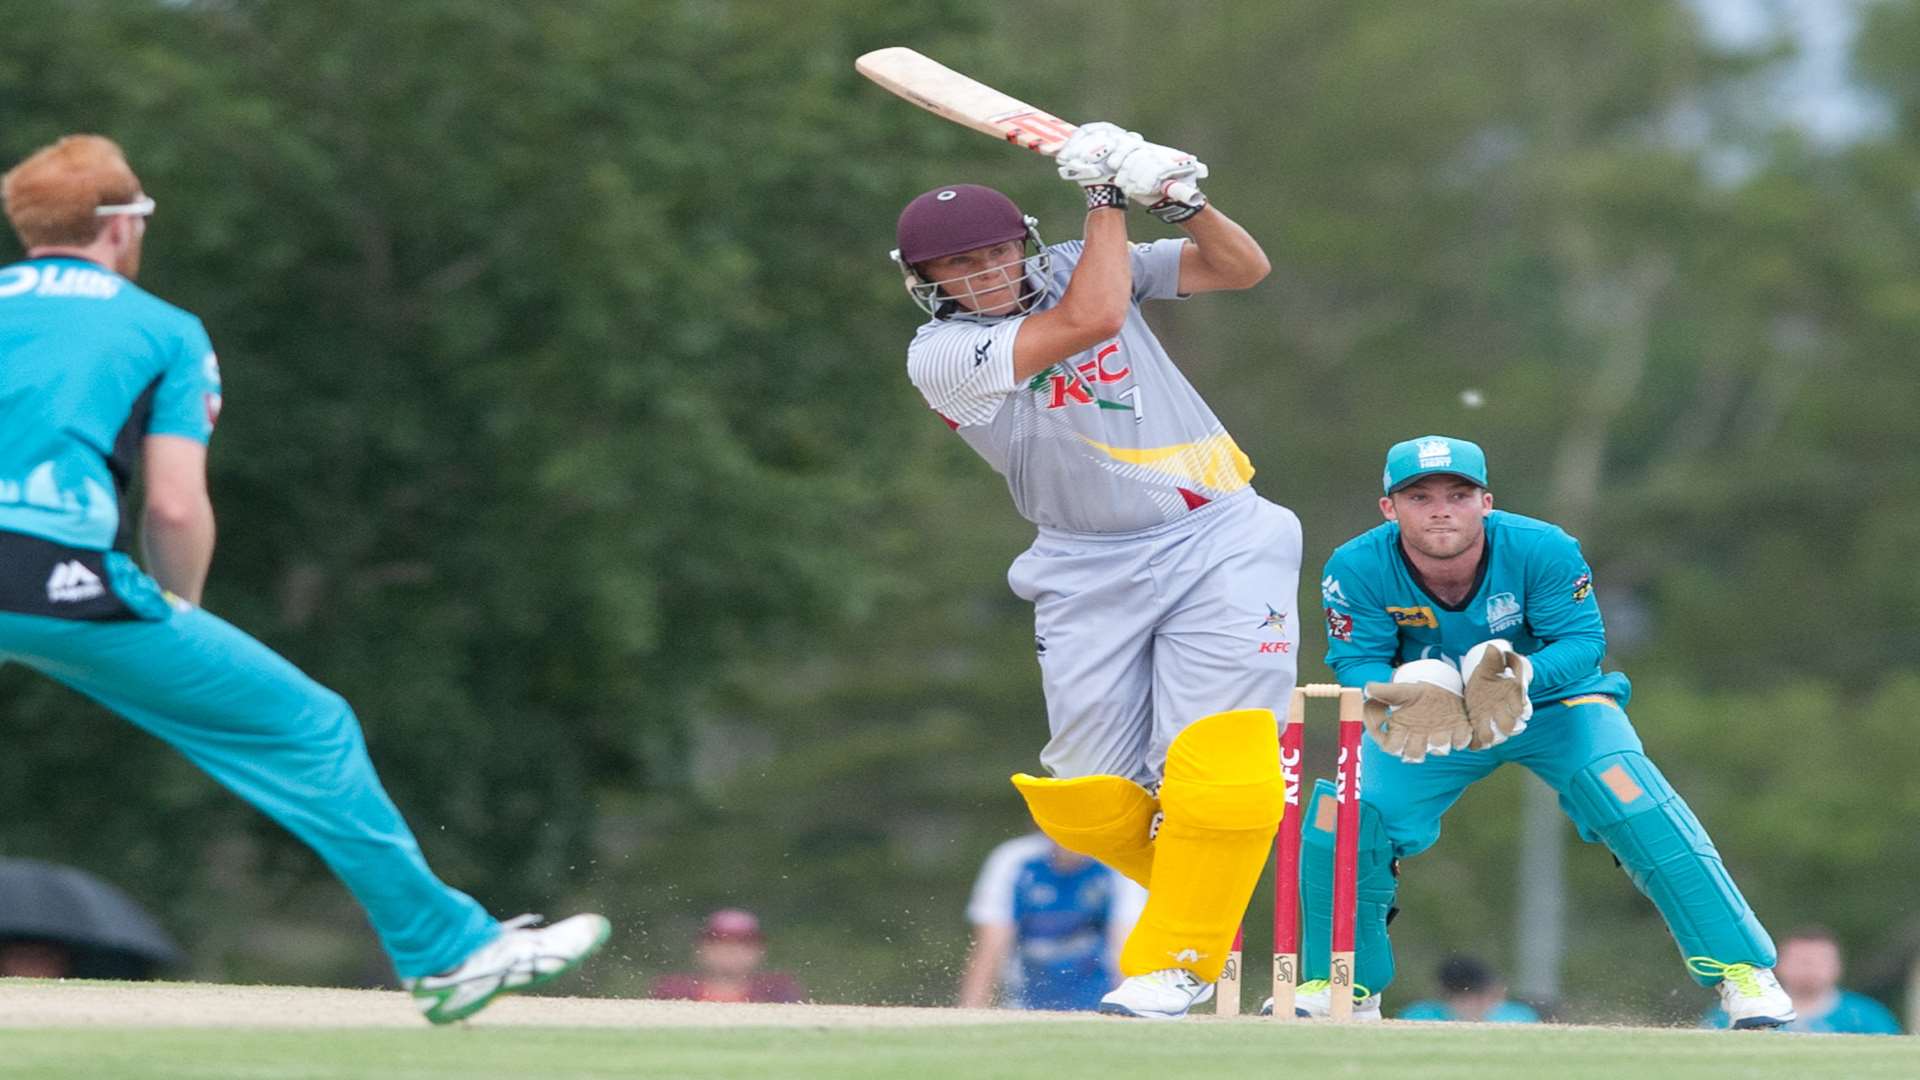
[956, 218]
[731, 924]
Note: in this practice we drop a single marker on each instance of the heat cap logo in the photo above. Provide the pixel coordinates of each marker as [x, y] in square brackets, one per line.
[1434, 453]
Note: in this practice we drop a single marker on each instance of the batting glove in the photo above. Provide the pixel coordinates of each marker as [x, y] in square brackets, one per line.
[1149, 176]
[1092, 153]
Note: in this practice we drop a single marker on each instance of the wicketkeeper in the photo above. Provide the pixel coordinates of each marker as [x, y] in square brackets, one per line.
[1477, 635]
[1163, 586]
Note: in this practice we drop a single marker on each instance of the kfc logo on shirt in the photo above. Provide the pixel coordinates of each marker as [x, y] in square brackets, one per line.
[1075, 387]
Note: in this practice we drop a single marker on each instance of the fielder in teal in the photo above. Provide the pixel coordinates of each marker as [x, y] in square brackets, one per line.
[1478, 637]
[101, 382]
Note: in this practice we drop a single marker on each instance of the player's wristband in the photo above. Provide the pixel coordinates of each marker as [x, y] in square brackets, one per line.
[1173, 213]
[1102, 196]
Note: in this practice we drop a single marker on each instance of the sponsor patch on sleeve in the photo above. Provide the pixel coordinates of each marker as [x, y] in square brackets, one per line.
[1339, 625]
[1582, 587]
[1330, 591]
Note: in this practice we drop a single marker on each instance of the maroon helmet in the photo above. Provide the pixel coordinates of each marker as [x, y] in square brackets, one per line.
[959, 217]
[963, 217]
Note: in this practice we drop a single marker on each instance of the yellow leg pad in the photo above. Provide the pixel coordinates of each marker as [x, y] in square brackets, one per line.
[1102, 817]
[1222, 796]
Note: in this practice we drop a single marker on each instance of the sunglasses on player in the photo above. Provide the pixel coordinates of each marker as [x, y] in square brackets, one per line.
[141, 207]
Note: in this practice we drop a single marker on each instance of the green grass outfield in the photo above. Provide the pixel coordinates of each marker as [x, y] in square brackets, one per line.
[1110, 1049]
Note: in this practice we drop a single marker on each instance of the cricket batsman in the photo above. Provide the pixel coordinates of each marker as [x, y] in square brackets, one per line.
[102, 382]
[1477, 636]
[1163, 586]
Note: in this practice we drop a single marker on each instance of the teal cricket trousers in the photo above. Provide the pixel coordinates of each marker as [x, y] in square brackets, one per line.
[276, 738]
[1586, 750]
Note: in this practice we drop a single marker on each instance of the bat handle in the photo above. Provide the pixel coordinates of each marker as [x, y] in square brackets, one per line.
[1181, 192]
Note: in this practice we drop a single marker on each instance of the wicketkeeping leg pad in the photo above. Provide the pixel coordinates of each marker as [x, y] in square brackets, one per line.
[1625, 801]
[1109, 818]
[1376, 887]
[1222, 798]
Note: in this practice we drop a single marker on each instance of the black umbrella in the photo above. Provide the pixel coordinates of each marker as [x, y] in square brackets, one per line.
[108, 934]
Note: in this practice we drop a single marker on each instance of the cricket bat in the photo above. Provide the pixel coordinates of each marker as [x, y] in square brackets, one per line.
[968, 102]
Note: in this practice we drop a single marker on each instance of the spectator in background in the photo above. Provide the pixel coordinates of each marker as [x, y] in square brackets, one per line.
[62, 922]
[1809, 970]
[22, 959]
[728, 955]
[1470, 991]
[1047, 927]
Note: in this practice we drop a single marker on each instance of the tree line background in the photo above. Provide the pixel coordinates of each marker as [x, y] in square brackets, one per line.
[568, 436]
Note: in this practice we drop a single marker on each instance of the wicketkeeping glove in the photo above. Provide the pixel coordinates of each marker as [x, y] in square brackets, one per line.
[1412, 717]
[1496, 692]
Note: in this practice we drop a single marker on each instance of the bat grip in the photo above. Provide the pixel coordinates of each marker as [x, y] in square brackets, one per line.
[1182, 192]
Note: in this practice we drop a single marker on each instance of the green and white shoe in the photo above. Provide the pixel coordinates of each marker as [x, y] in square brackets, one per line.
[524, 955]
[1313, 1000]
[1751, 996]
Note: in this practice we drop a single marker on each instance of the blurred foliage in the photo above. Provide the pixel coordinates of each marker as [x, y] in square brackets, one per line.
[567, 437]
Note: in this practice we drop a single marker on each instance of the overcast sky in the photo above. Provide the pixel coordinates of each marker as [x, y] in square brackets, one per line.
[1813, 91]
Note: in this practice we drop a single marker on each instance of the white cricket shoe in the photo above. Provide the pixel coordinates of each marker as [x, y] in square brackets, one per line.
[1166, 994]
[1751, 996]
[523, 955]
[1314, 1001]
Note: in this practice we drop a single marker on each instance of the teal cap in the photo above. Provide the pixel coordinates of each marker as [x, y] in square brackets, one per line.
[1409, 461]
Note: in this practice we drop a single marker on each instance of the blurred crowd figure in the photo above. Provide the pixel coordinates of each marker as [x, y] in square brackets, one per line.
[1048, 925]
[727, 957]
[1809, 970]
[62, 922]
[35, 960]
[1471, 991]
